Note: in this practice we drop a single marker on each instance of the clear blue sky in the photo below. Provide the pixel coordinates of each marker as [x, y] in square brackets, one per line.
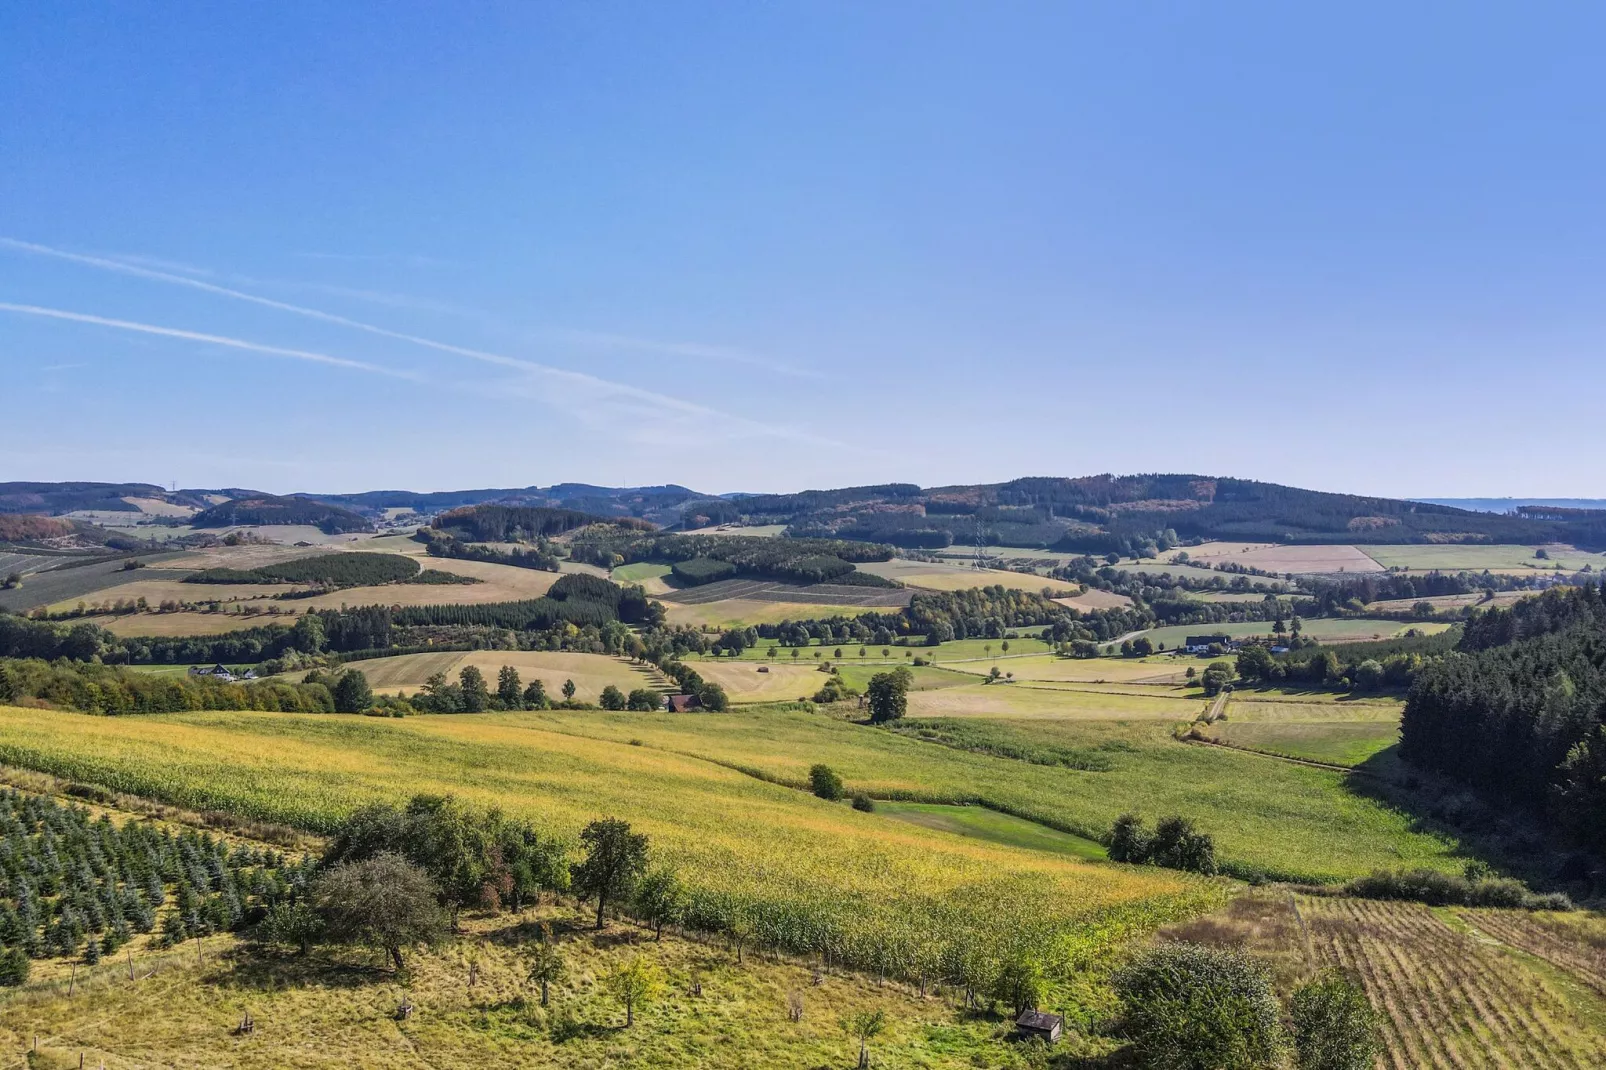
[767, 246]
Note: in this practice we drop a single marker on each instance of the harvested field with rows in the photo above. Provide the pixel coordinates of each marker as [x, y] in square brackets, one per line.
[830, 594]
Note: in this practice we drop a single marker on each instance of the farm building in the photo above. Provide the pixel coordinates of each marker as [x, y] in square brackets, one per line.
[1040, 1024]
[1198, 644]
[681, 703]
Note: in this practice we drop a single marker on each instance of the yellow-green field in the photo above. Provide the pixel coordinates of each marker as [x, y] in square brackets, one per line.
[1328, 630]
[1474, 557]
[747, 681]
[1022, 701]
[944, 577]
[741, 612]
[1320, 729]
[591, 673]
[748, 844]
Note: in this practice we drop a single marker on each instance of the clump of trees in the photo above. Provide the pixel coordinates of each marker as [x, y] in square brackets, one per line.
[1474, 889]
[1175, 844]
[1191, 1007]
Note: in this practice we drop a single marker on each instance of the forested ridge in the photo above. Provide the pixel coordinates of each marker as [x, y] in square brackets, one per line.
[1517, 710]
[272, 509]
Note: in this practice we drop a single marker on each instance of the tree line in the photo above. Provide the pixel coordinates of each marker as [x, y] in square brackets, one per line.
[1517, 711]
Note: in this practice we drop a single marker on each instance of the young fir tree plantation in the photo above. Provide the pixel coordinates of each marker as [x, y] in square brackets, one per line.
[821, 796]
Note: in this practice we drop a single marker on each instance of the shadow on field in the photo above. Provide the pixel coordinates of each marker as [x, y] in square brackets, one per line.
[1512, 840]
[265, 969]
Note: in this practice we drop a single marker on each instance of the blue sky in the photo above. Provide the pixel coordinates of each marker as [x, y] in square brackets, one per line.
[308, 246]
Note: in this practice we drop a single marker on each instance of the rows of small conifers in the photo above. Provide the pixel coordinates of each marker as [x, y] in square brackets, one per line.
[72, 886]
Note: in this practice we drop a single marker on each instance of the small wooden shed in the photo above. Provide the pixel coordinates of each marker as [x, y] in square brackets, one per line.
[1040, 1024]
[682, 703]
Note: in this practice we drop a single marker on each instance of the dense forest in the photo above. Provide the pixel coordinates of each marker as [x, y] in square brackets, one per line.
[508, 523]
[440, 544]
[272, 509]
[354, 569]
[1517, 712]
[796, 560]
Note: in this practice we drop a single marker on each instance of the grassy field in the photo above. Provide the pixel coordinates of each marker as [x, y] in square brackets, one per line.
[1455, 987]
[590, 672]
[1444, 603]
[1472, 557]
[742, 612]
[639, 572]
[990, 825]
[745, 681]
[1048, 668]
[1347, 733]
[799, 864]
[944, 577]
[1024, 702]
[1093, 598]
[169, 624]
[338, 1010]
[1327, 630]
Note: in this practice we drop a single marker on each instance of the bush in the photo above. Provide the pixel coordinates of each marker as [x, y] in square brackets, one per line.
[383, 902]
[643, 700]
[1446, 889]
[1333, 1025]
[1187, 1007]
[612, 698]
[825, 783]
[1174, 844]
[863, 803]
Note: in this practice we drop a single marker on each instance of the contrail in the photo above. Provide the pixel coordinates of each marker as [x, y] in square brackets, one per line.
[591, 382]
[212, 339]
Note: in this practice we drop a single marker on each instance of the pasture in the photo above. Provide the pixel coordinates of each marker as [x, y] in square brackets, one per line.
[1311, 728]
[781, 591]
[1327, 630]
[1021, 701]
[591, 673]
[990, 825]
[743, 612]
[937, 576]
[1449, 603]
[1048, 668]
[1093, 598]
[745, 681]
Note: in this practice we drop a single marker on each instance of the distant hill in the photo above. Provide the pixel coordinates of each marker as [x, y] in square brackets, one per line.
[661, 505]
[1105, 513]
[513, 523]
[1511, 505]
[272, 509]
[53, 499]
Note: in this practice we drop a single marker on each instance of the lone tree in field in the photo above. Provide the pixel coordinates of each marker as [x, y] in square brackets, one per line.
[568, 691]
[1188, 1007]
[352, 693]
[547, 966]
[864, 1027]
[384, 902]
[509, 688]
[615, 860]
[634, 984]
[889, 695]
[825, 783]
[1334, 1027]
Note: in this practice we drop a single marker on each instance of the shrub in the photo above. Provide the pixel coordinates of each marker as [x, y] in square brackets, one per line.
[1175, 844]
[384, 902]
[14, 966]
[1187, 1007]
[1446, 889]
[643, 700]
[612, 698]
[825, 783]
[863, 803]
[1333, 1025]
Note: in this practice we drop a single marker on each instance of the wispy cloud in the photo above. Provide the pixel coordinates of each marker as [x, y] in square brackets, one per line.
[210, 339]
[692, 350]
[406, 259]
[61, 367]
[583, 386]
